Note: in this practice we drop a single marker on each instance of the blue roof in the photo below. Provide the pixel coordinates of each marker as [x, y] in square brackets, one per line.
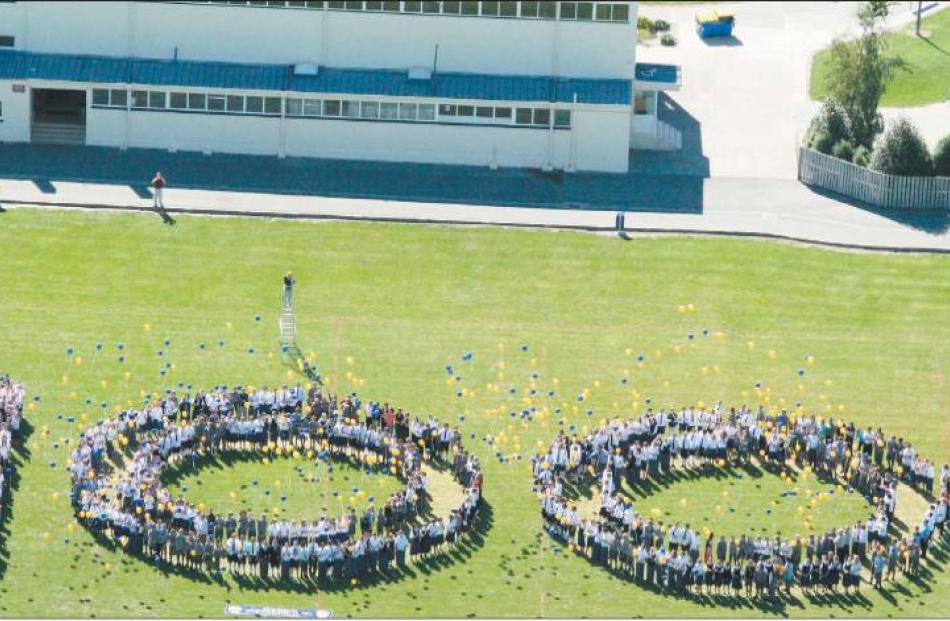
[648, 72]
[19, 65]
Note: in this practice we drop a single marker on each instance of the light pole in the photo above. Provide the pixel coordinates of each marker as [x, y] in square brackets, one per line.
[919, 11]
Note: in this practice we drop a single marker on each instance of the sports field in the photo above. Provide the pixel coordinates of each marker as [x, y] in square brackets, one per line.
[385, 308]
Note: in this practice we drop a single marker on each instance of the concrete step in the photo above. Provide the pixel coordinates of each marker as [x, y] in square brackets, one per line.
[57, 133]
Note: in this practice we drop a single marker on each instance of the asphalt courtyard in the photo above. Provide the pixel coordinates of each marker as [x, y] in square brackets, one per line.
[746, 97]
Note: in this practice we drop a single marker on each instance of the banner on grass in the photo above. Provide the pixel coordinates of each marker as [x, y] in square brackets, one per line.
[269, 612]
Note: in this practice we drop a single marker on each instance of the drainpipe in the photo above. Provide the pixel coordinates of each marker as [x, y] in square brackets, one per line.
[323, 35]
[281, 147]
[572, 150]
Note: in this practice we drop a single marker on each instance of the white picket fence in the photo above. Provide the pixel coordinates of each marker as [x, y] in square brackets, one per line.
[872, 187]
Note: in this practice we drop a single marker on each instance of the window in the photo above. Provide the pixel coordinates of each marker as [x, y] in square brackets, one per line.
[451, 8]
[490, 9]
[196, 101]
[640, 105]
[562, 118]
[392, 6]
[254, 104]
[523, 116]
[331, 108]
[118, 97]
[178, 101]
[469, 8]
[603, 12]
[621, 13]
[351, 109]
[272, 105]
[353, 6]
[408, 112]
[7, 41]
[503, 113]
[529, 9]
[484, 112]
[585, 10]
[446, 110]
[374, 5]
[466, 111]
[548, 10]
[100, 97]
[296, 4]
[542, 116]
[412, 6]
[311, 107]
[568, 10]
[216, 103]
[426, 112]
[369, 110]
[335, 4]
[294, 107]
[139, 99]
[156, 99]
[508, 9]
[387, 111]
[315, 4]
[430, 6]
[235, 103]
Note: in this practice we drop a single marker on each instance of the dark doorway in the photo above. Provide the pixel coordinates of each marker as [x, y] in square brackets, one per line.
[58, 116]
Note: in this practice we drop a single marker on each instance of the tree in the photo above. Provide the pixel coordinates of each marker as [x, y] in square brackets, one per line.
[901, 150]
[860, 70]
[942, 157]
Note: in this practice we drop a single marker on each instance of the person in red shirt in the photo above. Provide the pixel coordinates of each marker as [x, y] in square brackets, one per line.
[158, 185]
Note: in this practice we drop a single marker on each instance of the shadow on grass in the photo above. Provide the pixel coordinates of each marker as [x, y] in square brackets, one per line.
[21, 454]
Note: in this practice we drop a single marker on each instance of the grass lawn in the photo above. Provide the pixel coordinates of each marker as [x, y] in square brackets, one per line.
[924, 79]
[384, 309]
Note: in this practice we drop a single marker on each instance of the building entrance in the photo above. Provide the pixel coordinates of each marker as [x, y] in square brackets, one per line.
[58, 116]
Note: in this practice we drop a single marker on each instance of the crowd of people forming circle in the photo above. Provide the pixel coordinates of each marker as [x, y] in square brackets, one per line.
[683, 559]
[11, 416]
[118, 492]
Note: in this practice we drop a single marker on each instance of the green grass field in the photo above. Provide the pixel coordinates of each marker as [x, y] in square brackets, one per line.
[385, 308]
[925, 76]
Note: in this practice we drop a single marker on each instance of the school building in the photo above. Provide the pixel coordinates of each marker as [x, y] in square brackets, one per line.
[548, 85]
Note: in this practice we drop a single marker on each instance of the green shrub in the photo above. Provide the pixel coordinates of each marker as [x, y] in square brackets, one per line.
[901, 150]
[861, 156]
[644, 23]
[667, 39]
[829, 127]
[661, 25]
[821, 141]
[843, 150]
[942, 157]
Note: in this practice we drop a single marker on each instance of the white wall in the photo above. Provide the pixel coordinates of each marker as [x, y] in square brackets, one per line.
[16, 113]
[347, 39]
[603, 139]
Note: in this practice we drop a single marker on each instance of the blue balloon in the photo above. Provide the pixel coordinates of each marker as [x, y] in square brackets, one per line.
[167, 342]
[201, 345]
[98, 346]
[161, 352]
[524, 348]
[801, 371]
[120, 346]
[121, 358]
[257, 318]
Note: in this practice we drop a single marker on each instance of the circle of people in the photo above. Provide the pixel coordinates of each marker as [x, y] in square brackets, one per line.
[678, 558]
[11, 416]
[118, 493]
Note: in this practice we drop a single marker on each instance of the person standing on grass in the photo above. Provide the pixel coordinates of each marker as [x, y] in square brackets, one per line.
[158, 186]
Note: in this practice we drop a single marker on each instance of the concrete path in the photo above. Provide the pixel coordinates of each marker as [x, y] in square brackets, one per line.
[748, 95]
[767, 208]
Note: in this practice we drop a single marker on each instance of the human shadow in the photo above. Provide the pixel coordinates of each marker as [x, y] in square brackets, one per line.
[19, 456]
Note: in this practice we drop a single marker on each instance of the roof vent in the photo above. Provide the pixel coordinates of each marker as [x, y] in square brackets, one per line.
[305, 69]
[420, 73]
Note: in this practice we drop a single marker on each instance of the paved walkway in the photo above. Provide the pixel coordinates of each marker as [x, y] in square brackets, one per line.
[758, 207]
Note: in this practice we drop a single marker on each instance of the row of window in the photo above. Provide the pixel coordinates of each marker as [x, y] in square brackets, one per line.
[332, 108]
[598, 11]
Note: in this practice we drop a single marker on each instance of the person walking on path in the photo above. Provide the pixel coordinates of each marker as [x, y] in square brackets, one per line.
[158, 185]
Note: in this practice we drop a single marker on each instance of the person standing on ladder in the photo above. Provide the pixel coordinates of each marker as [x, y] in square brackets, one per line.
[288, 288]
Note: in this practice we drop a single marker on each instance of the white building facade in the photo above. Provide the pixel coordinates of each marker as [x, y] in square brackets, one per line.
[550, 85]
